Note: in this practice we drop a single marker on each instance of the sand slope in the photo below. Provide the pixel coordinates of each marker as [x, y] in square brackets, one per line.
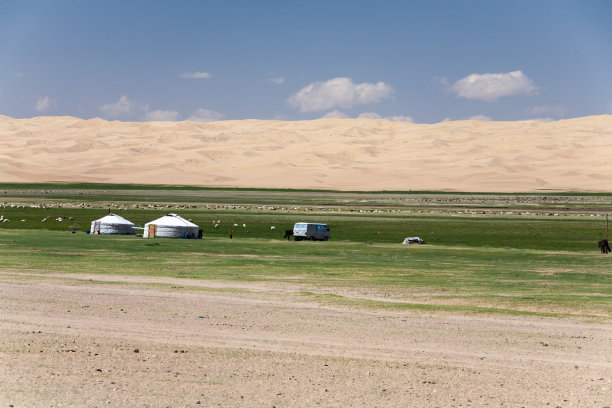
[346, 154]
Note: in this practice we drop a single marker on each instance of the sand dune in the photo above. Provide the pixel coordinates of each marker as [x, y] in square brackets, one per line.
[345, 154]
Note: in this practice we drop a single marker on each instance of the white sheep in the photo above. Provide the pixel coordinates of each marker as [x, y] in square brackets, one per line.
[235, 225]
[243, 225]
[273, 228]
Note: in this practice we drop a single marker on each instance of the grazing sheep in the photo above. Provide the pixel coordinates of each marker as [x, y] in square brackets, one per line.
[216, 225]
[235, 225]
[243, 225]
[273, 228]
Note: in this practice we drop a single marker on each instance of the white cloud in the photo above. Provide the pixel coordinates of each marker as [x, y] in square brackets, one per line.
[400, 118]
[547, 110]
[124, 106]
[334, 114]
[369, 115]
[482, 118]
[394, 118]
[162, 115]
[491, 87]
[441, 81]
[277, 80]
[43, 103]
[339, 92]
[205, 115]
[195, 75]
[542, 119]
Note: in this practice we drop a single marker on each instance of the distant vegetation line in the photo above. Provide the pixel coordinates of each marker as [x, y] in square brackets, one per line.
[109, 186]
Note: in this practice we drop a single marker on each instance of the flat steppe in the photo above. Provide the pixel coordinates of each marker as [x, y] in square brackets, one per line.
[343, 154]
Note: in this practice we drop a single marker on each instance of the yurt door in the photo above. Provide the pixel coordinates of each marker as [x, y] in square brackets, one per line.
[96, 228]
[152, 229]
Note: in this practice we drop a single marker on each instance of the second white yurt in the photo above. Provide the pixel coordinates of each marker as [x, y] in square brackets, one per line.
[170, 226]
[112, 224]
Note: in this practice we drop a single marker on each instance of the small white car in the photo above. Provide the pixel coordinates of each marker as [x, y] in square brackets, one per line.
[311, 231]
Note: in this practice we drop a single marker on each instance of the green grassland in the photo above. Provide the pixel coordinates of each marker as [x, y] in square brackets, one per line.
[514, 254]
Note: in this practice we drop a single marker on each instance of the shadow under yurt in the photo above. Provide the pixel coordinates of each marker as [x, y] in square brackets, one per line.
[112, 224]
[171, 226]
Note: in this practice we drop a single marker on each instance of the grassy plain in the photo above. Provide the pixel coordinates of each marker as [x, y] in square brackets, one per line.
[509, 253]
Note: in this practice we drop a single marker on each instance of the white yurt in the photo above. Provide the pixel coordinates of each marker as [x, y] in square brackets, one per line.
[112, 224]
[170, 226]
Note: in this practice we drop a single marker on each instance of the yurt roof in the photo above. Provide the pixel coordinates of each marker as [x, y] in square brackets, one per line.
[173, 220]
[114, 219]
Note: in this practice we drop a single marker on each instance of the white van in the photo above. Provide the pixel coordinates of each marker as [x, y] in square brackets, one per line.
[311, 231]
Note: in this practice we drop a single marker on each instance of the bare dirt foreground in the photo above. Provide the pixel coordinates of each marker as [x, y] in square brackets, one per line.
[97, 341]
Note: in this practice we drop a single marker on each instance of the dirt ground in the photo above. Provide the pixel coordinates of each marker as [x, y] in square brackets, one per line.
[111, 341]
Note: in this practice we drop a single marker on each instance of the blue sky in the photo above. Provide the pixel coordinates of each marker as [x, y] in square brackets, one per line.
[425, 61]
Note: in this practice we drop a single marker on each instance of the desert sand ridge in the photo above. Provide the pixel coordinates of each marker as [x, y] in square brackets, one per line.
[343, 154]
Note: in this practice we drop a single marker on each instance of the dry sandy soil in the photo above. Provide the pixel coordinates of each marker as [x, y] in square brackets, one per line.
[344, 154]
[98, 341]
